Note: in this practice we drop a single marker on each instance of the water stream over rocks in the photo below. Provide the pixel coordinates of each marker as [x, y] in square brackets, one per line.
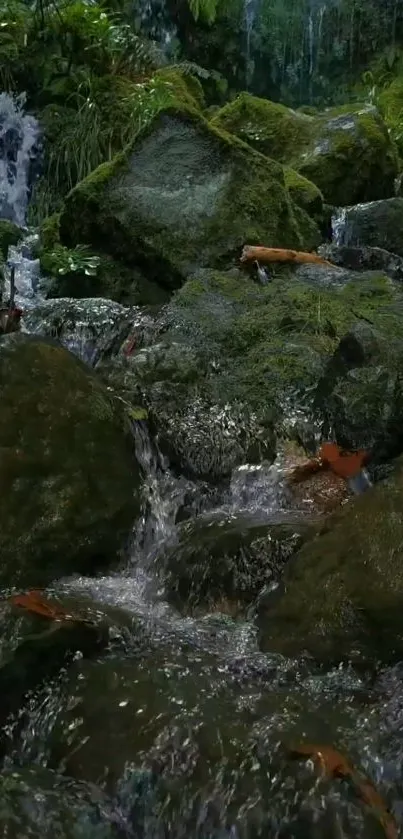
[178, 725]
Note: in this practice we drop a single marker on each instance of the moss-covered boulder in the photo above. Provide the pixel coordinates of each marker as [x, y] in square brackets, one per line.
[347, 152]
[390, 101]
[375, 223]
[10, 234]
[343, 591]
[182, 195]
[228, 359]
[82, 272]
[69, 481]
[304, 193]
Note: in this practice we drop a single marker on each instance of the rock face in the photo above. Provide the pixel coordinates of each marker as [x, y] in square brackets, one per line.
[343, 592]
[365, 258]
[68, 478]
[377, 223]
[227, 562]
[346, 152]
[182, 196]
[228, 360]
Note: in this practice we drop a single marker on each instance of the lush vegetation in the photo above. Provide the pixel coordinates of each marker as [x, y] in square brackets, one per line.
[96, 71]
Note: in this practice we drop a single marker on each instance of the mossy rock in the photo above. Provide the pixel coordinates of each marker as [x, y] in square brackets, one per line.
[186, 88]
[231, 353]
[347, 152]
[343, 591]
[69, 481]
[112, 280]
[304, 193]
[274, 340]
[181, 196]
[10, 234]
[390, 101]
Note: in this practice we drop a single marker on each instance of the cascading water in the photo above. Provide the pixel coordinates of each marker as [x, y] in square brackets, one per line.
[19, 149]
[19, 136]
[250, 11]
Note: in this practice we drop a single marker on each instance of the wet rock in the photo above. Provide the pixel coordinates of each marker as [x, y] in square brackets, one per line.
[91, 328]
[364, 259]
[208, 195]
[204, 440]
[68, 476]
[10, 234]
[376, 224]
[316, 493]
[347, 152]
[231, 361]
[227, 562]
[36, 649]
[108, 278]
[38, 803]
[343, 591]
[360, 395]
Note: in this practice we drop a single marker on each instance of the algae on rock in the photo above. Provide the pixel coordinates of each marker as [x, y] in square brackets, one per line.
[347, 151]
[10, 234]
[343, 591]
[231, 354]
[183, 195]
[69, 481]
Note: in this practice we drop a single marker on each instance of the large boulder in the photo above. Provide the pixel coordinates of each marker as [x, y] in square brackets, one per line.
[347, 152]
[230, 360]
[376, 223]
[68, 476]
[342, 593]
[364, 258]
[182, 195]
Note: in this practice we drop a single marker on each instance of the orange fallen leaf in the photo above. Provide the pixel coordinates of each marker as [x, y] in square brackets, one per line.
[34, 601]
[266, 256]
[343, 463]
[335, 765]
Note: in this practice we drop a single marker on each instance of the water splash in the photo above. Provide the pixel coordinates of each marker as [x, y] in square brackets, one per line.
[21, 258]
[19, 135]
[339, 227]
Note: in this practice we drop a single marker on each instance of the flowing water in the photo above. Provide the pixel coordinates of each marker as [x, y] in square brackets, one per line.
[179, 726]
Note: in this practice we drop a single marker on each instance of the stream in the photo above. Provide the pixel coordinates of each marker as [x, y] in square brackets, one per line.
[180, 727]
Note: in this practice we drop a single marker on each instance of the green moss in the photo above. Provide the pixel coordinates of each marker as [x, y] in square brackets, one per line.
[55, 516]
[10, 234]
[209, 196]
[304, 193]
[390, 102]
[113, 280]
[276, 339]
[186, 88]
[271, 128]
[49, 232]
[326, 610]
[345, 151]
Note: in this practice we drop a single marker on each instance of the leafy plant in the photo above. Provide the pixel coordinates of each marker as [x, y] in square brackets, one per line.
[79, 260]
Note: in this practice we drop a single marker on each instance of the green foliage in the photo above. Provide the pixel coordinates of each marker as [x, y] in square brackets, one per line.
[205, 9]
[79, 260]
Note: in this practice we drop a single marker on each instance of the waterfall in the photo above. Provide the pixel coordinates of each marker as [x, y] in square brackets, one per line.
[19, 136]
[250, 8]
[339, 227]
